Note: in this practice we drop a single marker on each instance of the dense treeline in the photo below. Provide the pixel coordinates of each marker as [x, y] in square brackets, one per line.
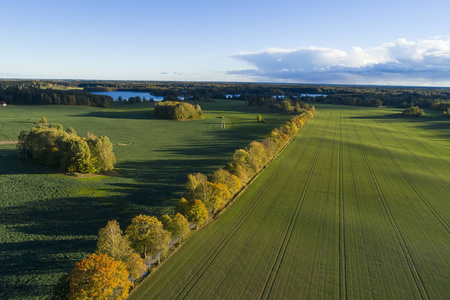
[413, 111]
[52, 146]
[119, 255]
[254, 93]
[177, 111]
[263, 93]
[36, 96]
[216, 190]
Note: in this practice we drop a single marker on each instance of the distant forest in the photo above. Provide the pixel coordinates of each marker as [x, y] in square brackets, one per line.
[62, 92]
[22, 94]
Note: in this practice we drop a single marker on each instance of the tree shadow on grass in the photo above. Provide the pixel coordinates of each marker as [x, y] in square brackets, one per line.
[111, 114]
[57, 232]
[50, 234]
[11, 164]
[31, 268]
[439, 125]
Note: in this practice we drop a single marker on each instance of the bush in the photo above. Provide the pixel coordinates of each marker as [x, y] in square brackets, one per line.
[413, 111]
[52, 146]
[177, 111]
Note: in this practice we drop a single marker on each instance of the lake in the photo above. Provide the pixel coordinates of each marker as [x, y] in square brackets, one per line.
[125, 95]
[313, 95]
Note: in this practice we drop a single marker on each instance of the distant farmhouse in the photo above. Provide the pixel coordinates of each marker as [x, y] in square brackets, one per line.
[2, 103]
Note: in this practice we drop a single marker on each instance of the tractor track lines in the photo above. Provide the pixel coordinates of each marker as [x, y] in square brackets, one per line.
[267, 289]
[417, 158]
[401, 241]
[410, 182]
[318, 256]
[221, 244]
[421, 144]
[340, 185]
[358, 209]
[261, 222]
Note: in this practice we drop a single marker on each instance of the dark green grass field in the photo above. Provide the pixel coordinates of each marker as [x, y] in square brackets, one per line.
[356, 207]
[49, 220]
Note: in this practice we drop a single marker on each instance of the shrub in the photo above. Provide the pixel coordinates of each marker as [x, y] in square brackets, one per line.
[52, 146]
[177, 111]
[413, 111]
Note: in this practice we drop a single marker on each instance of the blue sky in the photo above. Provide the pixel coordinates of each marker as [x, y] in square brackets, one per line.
[354, 42]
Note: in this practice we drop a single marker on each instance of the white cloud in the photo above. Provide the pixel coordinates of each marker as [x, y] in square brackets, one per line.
[426, 62]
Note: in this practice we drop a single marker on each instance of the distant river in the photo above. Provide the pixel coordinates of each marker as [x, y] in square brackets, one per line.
[125, 95]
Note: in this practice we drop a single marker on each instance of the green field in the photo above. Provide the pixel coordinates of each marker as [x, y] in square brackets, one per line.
[357, 207]
[49, 220]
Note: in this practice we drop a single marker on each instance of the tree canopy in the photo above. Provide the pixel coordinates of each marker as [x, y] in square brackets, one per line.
[112, 242]
[177, 111]
[147, 235]
[413, 111]
[52, 146]
[99, 277]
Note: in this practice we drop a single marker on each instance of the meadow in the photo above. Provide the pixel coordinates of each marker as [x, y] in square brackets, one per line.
[356, 206]
[50, 220]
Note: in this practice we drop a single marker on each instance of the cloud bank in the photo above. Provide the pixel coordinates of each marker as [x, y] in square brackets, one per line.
[426, 62]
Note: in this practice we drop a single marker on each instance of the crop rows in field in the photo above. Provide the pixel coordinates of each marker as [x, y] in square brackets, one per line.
[350, 209]
[50, 220]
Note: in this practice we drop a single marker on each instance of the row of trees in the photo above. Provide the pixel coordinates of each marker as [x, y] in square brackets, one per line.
[30, 95]
[214, 191]
[177, 111]
[117, 263]
[52, 146]
[413, 111]
[290, 106]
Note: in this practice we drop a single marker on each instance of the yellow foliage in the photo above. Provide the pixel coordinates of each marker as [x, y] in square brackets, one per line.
[99, 277]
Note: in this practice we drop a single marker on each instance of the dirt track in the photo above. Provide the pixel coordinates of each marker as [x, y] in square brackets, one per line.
[8, 142]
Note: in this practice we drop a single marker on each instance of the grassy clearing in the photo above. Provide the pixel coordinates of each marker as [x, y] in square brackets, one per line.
[355, 207]
[50, 220]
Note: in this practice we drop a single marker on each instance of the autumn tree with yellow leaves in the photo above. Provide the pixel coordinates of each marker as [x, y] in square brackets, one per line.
[147, 235]
[99, 277]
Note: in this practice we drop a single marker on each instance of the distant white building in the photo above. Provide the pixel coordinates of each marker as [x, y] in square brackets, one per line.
[2, 103]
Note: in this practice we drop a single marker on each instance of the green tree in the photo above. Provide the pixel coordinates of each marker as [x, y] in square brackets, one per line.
[103, 158]
[257, 156]
[71, 131]
[51, 146]
[56, 126]
[180, 226]
[270, 147]
[196, 186]
[135, 266]
[112, 242]
[232, 182]
[197, 213]
[414, 111]
[286, 105]
[217, 195]
[166, 221]
[182, 206]
[76, 156]
[147, 235]
[258, 118]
